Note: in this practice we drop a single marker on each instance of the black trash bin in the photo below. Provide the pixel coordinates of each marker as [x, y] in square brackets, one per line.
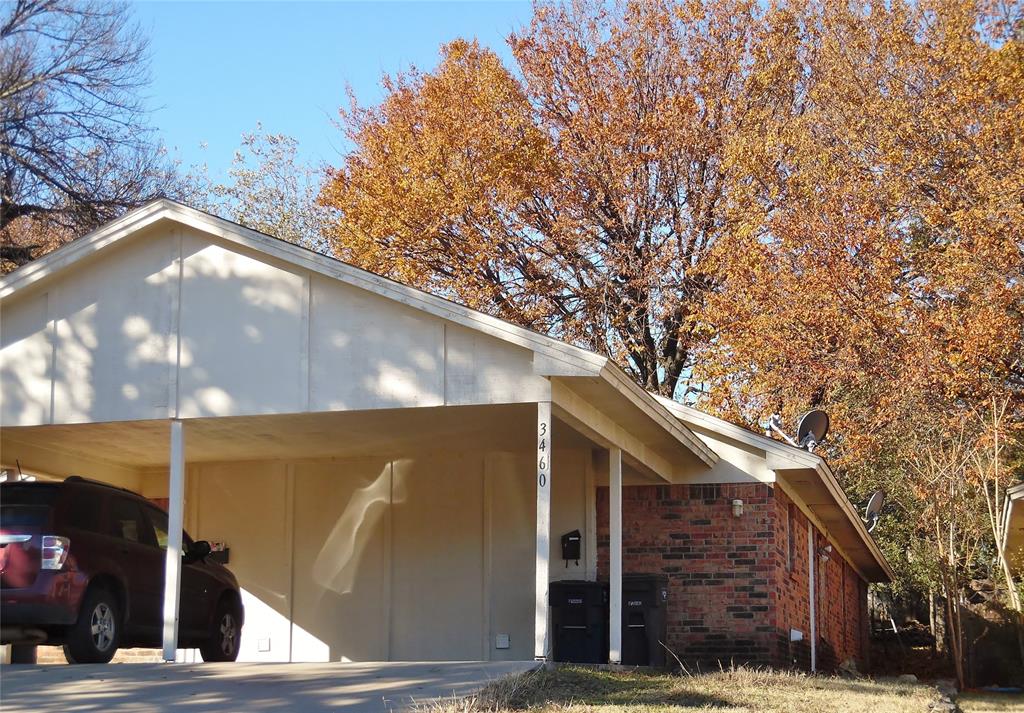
[644, 619]
[579, 621]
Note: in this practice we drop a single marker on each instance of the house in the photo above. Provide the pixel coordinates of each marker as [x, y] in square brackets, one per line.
[390, 472]
[1013, 529]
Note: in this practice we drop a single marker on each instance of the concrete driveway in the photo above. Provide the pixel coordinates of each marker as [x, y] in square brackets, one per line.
[350, 687]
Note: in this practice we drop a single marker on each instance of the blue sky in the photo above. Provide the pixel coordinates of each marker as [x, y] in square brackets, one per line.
[219, 68]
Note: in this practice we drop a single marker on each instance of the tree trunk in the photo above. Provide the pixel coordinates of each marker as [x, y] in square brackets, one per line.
[954, 628]
[932, 624]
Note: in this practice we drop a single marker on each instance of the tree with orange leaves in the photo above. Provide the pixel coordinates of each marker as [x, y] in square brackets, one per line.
[583, 197]
[756, 204]
[889, 287]
[892, 294]
[898, 259]
[761, 208]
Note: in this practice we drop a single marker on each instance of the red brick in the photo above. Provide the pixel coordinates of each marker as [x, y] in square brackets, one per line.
[732, 597]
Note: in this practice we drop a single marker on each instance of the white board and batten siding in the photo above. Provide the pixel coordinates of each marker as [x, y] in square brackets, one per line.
[95, 345]
[177, 323]
[426, 557]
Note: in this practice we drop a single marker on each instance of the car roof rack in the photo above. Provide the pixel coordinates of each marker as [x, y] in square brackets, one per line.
[90, 481]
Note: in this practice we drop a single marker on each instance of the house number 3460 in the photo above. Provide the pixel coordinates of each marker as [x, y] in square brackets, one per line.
[542, 450]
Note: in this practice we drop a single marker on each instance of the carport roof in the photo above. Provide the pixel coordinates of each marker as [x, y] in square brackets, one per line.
[552, 358]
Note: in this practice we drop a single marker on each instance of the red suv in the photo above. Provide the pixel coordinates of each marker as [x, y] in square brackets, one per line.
[82, 564]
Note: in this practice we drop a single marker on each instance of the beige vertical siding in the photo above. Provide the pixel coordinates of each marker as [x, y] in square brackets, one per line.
[176, 323]
[428, 557]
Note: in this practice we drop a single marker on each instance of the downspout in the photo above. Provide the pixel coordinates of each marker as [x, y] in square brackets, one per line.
[811, 594]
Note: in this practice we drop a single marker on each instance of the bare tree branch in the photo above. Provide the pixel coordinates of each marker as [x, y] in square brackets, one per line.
[75, 148]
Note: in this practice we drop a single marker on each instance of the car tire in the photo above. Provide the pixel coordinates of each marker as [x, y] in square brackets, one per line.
[94, 638]
[225, 634]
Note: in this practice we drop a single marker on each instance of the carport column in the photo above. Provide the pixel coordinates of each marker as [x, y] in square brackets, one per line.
[540, 620]
[615, 555]
[175, 515]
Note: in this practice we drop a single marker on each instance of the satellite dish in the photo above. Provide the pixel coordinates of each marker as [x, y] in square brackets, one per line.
[874, 508]
[812, 429]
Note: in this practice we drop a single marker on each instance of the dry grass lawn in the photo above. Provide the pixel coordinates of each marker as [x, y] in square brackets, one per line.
[582, 690]
[991, 703]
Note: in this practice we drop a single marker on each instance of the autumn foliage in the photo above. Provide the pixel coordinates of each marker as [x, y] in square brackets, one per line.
[582, 195]
[768, 207]
[756, 207]
[889, 279]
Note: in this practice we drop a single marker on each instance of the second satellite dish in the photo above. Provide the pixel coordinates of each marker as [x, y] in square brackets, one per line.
[812, 429]
[874, 509]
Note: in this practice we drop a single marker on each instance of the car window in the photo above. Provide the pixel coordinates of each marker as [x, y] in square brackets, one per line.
[28, 493]
[159, 519]
[26, 504]
[84, 510]
[24, 515]
[126, 521]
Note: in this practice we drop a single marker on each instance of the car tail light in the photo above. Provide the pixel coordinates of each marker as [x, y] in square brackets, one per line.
[55, 551]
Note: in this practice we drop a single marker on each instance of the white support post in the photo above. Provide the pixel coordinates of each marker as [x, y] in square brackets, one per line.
[615, 555]
[811, 555]
[590, 531]
[175, 516]
[540, 620]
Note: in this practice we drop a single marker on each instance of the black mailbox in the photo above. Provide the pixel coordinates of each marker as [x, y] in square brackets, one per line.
[579, 621]
[571, 546]
[644, 621]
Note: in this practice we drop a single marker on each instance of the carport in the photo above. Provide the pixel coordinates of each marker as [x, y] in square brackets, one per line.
[390, 470]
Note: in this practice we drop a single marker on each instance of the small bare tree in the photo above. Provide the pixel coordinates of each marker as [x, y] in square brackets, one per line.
[75, 149]
[269, 190]
[994, 478]
[951, 525]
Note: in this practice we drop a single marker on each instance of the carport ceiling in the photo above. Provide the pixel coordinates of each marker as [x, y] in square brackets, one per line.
[391, 432]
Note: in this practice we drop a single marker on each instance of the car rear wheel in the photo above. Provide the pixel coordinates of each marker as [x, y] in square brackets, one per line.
[225, 634]
[95, 636]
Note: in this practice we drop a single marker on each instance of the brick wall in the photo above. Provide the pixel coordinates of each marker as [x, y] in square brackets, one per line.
[842, 621]
[791, 582]
[719, 566]
[736, 585]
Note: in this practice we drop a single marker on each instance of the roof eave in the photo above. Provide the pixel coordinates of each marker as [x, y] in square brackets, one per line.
[731, 430]
[71, 252]
[853, 516]
[613, 375]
